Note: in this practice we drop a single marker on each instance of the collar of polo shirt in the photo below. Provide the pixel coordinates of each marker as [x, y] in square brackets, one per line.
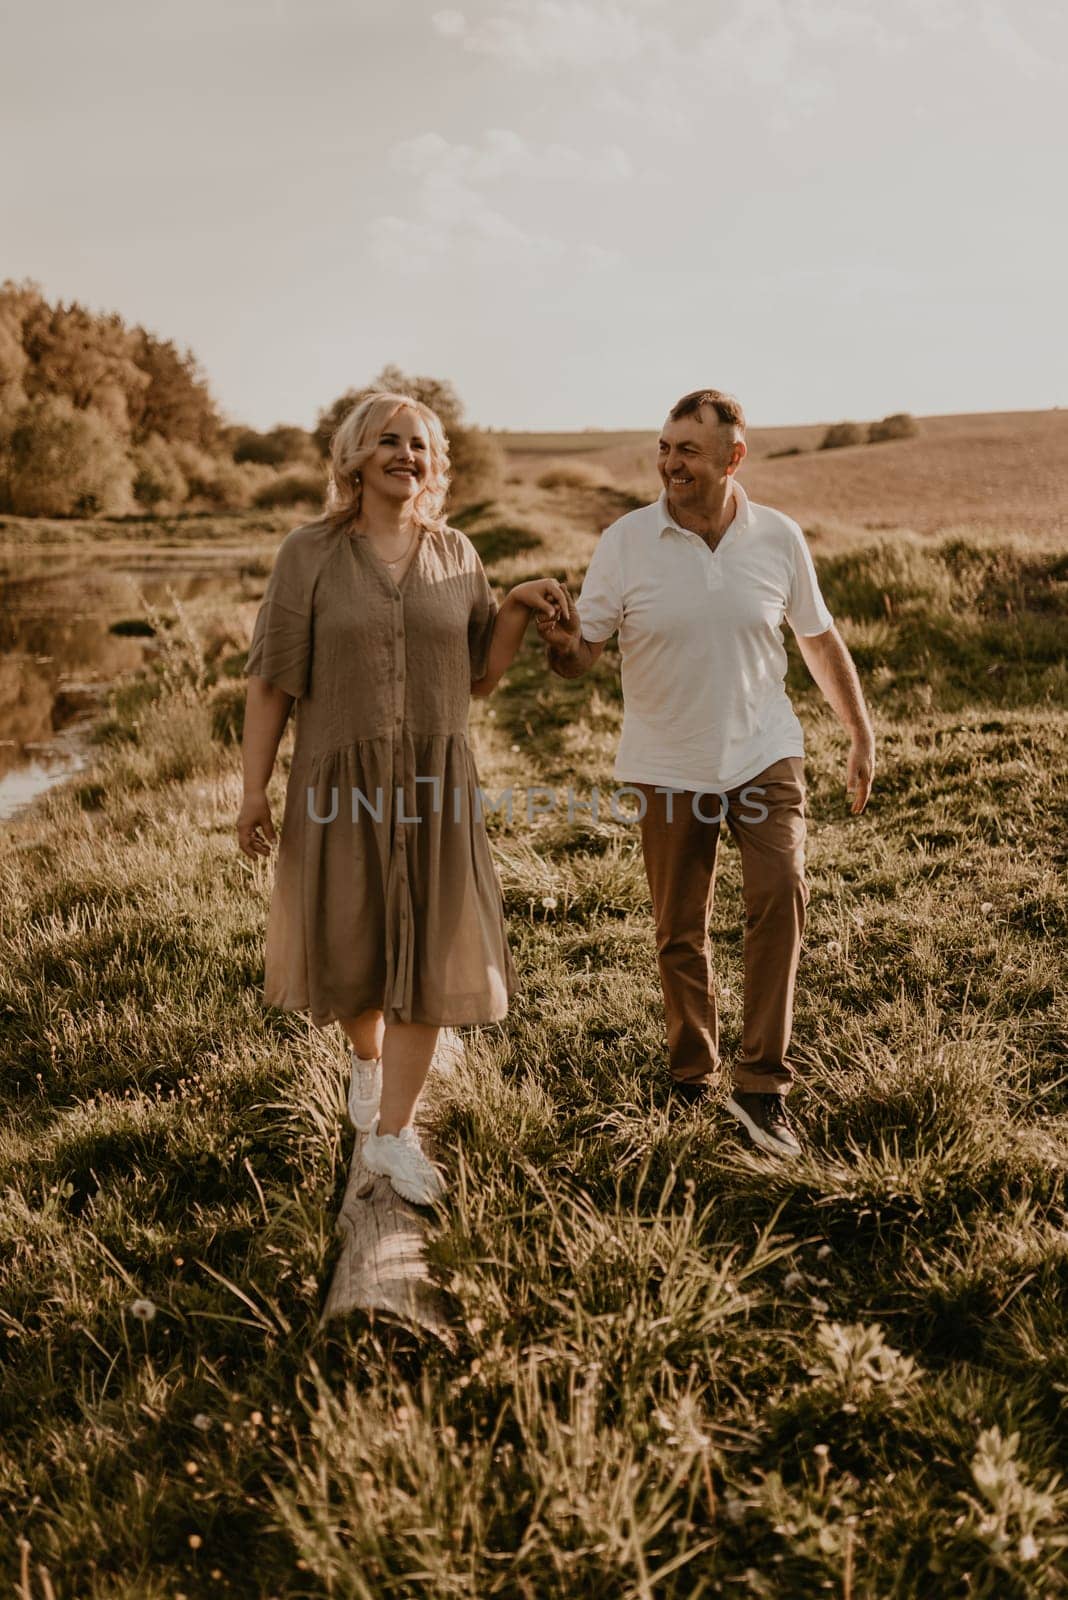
[742, 514]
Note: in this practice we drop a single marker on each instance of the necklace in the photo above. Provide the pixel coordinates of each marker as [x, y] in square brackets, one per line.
[398, 559]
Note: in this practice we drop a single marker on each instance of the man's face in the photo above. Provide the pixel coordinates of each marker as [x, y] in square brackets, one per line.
[695, 455]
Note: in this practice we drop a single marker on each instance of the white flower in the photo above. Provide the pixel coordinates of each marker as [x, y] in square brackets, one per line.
[833, 947]
[793, 1280]
[986, 907]
[549, 902]
[144, 1310]
[1028, 1547]
[823, 1252]
[202, 1422]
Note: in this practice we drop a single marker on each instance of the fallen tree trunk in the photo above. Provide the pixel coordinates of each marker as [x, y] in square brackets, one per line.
[382, 1267]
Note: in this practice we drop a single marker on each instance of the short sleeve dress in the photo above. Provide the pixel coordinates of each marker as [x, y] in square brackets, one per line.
[385, 894]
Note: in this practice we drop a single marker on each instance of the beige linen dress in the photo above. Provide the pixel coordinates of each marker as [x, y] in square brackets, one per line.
[385, 894]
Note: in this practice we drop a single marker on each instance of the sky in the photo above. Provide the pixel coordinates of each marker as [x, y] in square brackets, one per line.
[574, 212]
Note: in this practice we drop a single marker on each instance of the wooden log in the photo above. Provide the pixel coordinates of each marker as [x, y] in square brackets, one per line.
[382, 1267]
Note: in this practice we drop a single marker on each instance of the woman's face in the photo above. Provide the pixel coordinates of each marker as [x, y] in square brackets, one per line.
[400, 465]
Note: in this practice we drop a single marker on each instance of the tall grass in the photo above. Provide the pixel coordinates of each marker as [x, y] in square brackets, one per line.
[681, 1369]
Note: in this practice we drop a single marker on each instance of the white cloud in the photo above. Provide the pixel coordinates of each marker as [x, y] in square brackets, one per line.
[547, 33]
[504, 153]
[452, 216]
[481, 237]
[662, 66]
[450, 24]
[1001, 33]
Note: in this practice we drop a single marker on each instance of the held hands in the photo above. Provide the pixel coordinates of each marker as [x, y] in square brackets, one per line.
[558, 622]
[544, 596]
[255, 830]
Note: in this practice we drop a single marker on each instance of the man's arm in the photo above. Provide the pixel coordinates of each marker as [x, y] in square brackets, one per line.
[835, 675]
[573, 661]
[570, 655]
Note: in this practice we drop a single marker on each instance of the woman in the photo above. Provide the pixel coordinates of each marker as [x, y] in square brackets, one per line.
[386, 914]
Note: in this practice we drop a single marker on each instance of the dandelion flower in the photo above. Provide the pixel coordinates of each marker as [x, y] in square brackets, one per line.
[143, 1310]
[549, 902]
[202, 1422]
[986, 907]
[793, 1280]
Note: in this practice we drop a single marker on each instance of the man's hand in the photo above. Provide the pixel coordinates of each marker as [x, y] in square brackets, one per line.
[859, 773]
[561, 629]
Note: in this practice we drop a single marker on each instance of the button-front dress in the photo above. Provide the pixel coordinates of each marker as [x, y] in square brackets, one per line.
[385, 893]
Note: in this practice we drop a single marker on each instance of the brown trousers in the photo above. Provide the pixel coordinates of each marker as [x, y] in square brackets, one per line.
[680, 863]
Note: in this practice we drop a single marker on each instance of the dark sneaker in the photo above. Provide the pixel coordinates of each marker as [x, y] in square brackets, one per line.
[764, 1118]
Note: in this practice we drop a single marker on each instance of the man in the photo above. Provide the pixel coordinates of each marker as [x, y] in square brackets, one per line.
[698, 585]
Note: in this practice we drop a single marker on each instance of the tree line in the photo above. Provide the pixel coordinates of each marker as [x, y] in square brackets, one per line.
[98, 418]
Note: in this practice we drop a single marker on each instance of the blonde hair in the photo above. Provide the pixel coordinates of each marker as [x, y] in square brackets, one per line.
[355, 441]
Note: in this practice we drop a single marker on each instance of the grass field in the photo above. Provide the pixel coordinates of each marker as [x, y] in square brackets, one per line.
[682, 1370]
[1002, 473]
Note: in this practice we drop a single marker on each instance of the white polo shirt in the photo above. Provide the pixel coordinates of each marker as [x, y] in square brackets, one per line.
[700, 639]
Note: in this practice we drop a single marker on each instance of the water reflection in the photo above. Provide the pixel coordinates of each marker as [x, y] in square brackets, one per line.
[58, 654]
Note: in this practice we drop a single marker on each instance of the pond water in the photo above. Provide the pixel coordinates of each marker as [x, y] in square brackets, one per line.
[59, 653]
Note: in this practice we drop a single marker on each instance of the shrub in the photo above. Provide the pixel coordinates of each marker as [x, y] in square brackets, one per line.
[902, 425]
[292, 489]
[216, 482]
[57, 461]
[791, 450]
[158, 480]
[570, 475]
[477, 467]
[227, 707]
[842, 433]
[277, 448]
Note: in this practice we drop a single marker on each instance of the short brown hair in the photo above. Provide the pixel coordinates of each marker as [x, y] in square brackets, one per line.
[726, 407]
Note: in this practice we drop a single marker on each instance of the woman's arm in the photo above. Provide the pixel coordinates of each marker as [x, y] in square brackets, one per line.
[266, 710]
[540, 594]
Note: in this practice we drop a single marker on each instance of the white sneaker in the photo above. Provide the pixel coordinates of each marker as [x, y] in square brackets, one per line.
[365, 1091]
[401, 1158]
